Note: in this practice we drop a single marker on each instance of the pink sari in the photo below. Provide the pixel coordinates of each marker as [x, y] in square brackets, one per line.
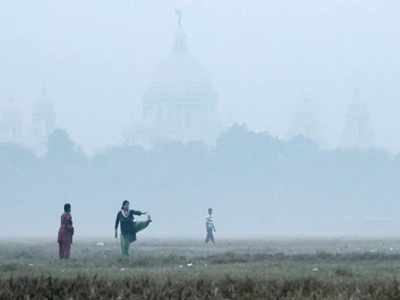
[65, 234]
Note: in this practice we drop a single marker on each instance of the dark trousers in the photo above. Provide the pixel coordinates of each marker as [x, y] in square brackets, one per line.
[210, 236]
[64, 250]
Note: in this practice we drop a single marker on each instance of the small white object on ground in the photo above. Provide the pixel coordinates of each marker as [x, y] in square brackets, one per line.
[122, 270]
[100, 244]
[315, 269]
[189, 264]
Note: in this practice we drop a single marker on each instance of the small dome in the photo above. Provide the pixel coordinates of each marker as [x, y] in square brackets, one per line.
[180, 79]
[10, 121]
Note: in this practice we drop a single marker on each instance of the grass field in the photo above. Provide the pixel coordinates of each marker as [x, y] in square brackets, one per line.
[183, 269]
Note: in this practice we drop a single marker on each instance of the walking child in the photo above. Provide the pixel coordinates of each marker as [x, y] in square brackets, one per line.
[210, 227]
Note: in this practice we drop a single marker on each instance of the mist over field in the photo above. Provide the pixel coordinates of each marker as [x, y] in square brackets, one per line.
[258, 186]
[283, 117]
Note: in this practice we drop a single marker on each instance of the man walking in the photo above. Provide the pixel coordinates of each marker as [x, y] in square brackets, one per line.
[210, 227]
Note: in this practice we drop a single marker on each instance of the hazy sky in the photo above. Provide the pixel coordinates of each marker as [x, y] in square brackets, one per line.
[96, 57]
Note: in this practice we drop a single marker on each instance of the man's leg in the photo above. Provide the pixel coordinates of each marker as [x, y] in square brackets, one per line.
[212, 237]
[207, 237]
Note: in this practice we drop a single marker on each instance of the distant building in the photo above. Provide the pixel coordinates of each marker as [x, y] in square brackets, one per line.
[29, 127]
[10, 122]
[43, 120]
[180, 103]
[358, 132]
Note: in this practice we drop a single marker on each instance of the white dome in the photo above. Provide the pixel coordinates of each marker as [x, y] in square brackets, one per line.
[181, 102]
[180, 79]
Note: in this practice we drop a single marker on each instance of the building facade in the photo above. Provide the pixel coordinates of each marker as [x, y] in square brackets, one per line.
[180, 104]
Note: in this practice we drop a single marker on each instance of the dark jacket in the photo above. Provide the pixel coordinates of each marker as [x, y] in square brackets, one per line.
[127, 223]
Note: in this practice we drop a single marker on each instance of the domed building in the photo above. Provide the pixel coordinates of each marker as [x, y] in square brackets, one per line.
[25, 125]
[180, 103]
[43, 119]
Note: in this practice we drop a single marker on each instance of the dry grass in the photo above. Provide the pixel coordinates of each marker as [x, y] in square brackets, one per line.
[227, 288]
[188, 270]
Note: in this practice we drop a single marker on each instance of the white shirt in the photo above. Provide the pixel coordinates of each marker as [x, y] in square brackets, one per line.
[210, 222]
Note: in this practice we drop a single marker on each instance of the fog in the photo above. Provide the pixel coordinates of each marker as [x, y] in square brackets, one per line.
[288, 72]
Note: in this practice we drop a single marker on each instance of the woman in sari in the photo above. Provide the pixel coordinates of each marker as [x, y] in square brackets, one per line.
[129, 227]
[65, 233]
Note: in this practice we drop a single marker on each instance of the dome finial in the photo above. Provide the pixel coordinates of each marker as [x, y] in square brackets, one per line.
[180, 40]
[179, 15]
